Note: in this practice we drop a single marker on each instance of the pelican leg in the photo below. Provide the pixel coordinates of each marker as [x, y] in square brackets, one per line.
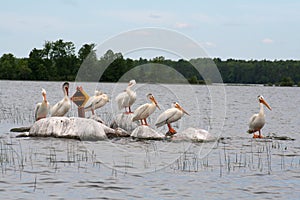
[171, 130]
[146, 124]
[141, 122]
[129, 109]
[93, 112]
[260, 135]
[126, 111]
[257, 136]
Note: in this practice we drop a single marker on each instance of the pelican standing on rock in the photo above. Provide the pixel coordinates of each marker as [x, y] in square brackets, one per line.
[96, 101]
[42, 109]
[169, 116]
[127, 98]
[63, 106]
[145, 110]
[257, 121]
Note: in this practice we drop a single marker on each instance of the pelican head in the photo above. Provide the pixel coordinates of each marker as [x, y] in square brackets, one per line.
[44, 93]
[105, 97]
[262, 100]
[66, 88]
[98, 93]
[131, 83]
[152, 99]
[176, 105]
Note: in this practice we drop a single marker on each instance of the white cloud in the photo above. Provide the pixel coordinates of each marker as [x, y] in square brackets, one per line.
[182, 25]
[209, 44]
[267, 41]
[155, 16]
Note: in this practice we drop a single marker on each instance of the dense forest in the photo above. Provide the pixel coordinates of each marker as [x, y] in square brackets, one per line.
[58, 61]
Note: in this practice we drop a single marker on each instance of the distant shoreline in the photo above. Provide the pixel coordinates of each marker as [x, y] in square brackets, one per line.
[58, 61]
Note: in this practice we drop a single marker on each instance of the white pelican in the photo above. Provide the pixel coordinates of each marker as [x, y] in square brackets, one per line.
[145, 110]
[169, 116]
[257, 121]
[127, 98]
[63, 106]
[42, 109]
[96, 101]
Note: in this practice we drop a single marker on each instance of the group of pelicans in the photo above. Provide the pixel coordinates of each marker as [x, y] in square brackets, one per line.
[126, 99]
[62, 107]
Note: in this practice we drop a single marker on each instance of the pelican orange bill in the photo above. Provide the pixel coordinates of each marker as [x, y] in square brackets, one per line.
[180, 108]
[265, 103]
[154, 100]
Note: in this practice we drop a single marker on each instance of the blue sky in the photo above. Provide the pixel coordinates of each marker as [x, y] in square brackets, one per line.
[244, 29]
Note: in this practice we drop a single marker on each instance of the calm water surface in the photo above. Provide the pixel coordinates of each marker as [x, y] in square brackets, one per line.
[235, 166]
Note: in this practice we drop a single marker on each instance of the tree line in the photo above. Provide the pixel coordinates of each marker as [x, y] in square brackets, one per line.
[58, 61]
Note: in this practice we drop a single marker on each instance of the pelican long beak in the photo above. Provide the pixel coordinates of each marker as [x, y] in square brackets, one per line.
[154, 101]
[67, 90]
[130, 84]
[180, 108]
[184, 111]
[44, 97]
[266, 104]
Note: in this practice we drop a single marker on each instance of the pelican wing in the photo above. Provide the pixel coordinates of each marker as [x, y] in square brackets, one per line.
[132, 97]
[257, 121]
[165, 117]
[60, 108]
[89, 103]
[252, 123]
[36, 110]
[55, 108]
[100, 102]
[122, 100]
[140, 111]
[252, 119]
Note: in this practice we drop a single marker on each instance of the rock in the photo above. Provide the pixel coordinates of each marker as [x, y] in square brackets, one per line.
[276, 137]
[118, 132]
[20, 129]
[145, 132]
[24, 134]
[194, 134]
[97, 119]
[124, 121]
[110, 132]
[74, 127]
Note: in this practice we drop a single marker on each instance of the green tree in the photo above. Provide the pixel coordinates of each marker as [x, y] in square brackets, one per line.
[8, 66]
[23, 71]
[87, 50]
[287, 81]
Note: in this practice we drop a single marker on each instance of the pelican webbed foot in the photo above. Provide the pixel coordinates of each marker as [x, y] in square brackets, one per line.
[257, 136]
[171, 131]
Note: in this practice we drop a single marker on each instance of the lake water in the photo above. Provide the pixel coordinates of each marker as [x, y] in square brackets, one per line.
[235, 166]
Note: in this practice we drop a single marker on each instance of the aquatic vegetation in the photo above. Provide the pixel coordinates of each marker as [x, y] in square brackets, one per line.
[257, 157]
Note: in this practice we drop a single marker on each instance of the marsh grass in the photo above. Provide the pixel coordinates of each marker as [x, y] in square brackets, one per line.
[22, 157]
[14, 158]
[15, 115]
[257, 157]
